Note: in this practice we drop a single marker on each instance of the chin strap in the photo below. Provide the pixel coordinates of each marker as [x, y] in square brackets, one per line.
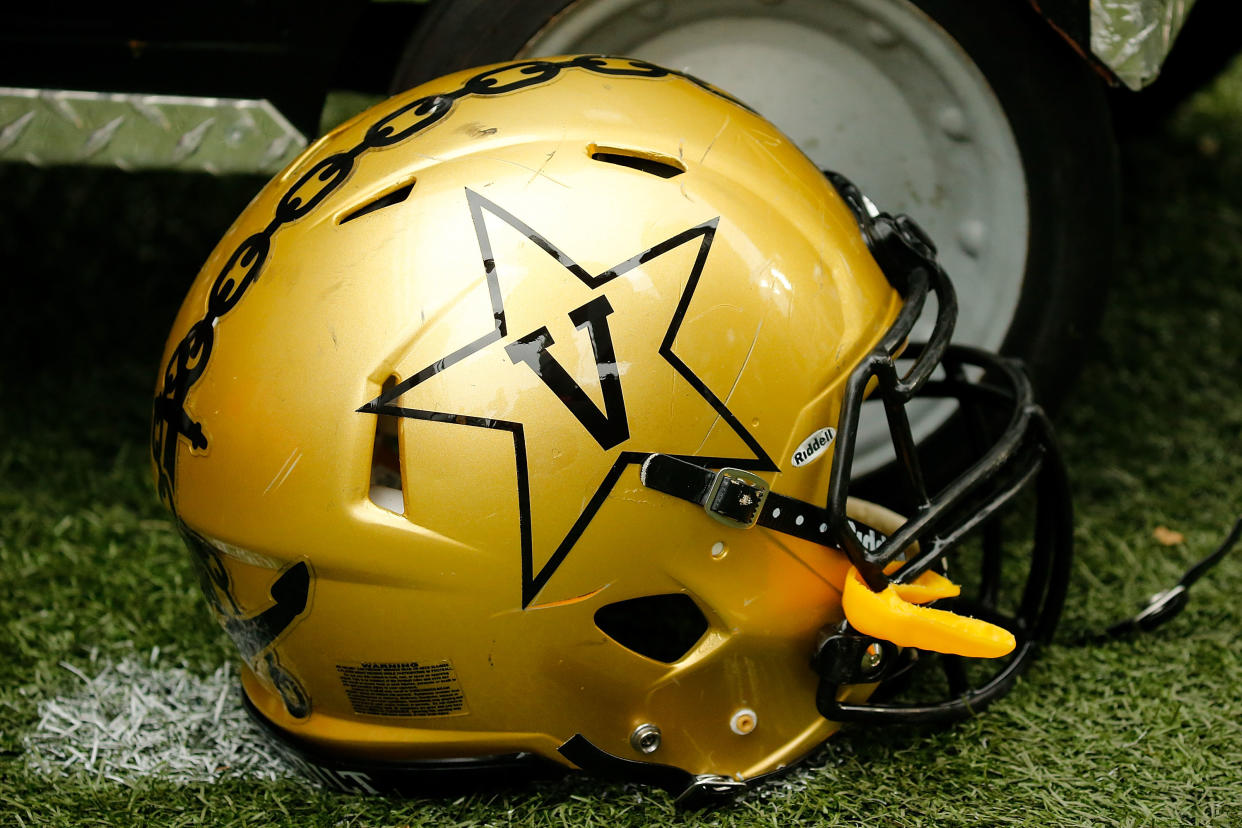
[1168, 604]
[689, 790]
[742, 500]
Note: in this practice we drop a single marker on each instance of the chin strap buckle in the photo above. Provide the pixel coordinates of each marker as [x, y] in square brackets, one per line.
[1165, 605]
[707, 789]
[690, 790]
[736, 497]
[1160, 608]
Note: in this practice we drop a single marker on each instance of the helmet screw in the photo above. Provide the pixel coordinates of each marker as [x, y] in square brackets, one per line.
[744, 721]
[872, 658]
[645, 738]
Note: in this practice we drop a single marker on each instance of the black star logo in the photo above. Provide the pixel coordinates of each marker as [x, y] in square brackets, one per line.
[609, 428]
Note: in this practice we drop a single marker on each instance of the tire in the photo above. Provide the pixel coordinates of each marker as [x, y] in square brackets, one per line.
[974, 118]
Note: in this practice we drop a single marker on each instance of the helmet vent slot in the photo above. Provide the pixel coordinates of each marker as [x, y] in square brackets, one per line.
[386, 488]
[660, 627]
[648, 162]
[388, 199]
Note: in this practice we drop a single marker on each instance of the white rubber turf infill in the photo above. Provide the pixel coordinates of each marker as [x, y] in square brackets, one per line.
[132, 718]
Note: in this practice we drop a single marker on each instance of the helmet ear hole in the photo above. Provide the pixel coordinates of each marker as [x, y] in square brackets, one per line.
[660, 627]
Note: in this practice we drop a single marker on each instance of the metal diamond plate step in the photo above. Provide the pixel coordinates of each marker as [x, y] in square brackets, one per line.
[139, 131]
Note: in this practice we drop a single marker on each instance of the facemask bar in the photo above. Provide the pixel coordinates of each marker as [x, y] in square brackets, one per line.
[1024, 454]
[908, 259]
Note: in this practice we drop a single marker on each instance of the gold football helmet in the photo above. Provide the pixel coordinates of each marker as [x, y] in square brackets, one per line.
[512, 425]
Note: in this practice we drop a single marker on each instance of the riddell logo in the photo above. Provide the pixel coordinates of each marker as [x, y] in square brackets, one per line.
[813, 446]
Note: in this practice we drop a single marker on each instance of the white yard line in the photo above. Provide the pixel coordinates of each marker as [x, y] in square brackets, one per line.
[131, 718]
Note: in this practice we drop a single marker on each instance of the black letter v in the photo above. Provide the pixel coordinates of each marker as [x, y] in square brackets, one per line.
[609, 428]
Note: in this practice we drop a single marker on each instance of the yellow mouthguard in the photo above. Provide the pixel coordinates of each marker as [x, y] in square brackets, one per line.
[894, 615]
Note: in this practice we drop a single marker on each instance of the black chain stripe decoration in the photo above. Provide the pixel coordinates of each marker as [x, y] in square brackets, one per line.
[189, 359]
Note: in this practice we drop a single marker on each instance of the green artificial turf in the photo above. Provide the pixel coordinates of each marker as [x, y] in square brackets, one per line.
[1137, 732]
